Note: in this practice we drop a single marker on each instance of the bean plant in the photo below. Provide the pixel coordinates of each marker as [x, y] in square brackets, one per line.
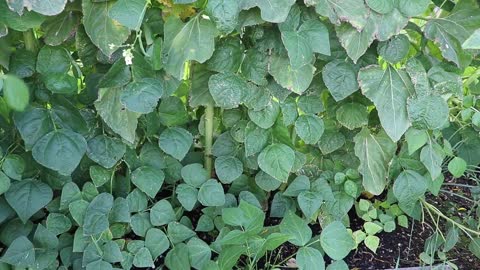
[209, 134]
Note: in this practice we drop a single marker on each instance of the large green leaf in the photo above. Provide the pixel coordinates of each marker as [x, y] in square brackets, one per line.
[277, 160]
[356, 42]
[296, 228]
[96, 216]
[193, 40]
[129, 13]
[227, 90]
[106, 33]
[224, 13]
[271, 11]
[27, 197]
[175, 142]
[409, 187]
[295, 80]
[473, 42]
[105, 150]
[121, 120]
[148, 180]
[309, 258]
[142, 96]
[336, 241]
[340, 78]
[451, 31]
[15, 93]
[388, 89]
[20, 253]
[428, 112]
[309, 128]
[374, 152]
[353, 11]
[60, 150]
[352, 115]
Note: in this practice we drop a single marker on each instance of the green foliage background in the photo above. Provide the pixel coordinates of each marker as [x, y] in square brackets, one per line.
[137, 133]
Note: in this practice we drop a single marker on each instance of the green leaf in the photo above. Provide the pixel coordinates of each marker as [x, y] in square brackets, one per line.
[254, 67]
[193, 40]
[354, 41]
[336, 241]
[33, 123]
[256, 139]
[224, 13]
[60, 83]
[157, 242]
[162, 213]
[331, 141]
[271, 11]
[140, 223]
[340, 78]
[227, 90]
[105, 151]
[296, 228]
[175, 142]
[129, 13]
[148, 180]
[372, 242]
[451, 31]
[266, 117]
[309, 202]
[29, 19]
[456, 167]
[409, 187]
[59, 28]
[96, 216]
[311, 36]
[100, 176]
[178, 232]
[143, 258]
[246, 215]
[211, 194]
[415, 139]
[295, 80]
[228, 168]
[388, 89]
[372, 228]
[428, 112]
[177, 258]
[14, 166]
[299, 184]
[4, 183]
[20, 253]
[142, 96]
[395, 49]
[120, 120]
[60, 150]
[106, 33]
[27, 197]
[194, 174]
[277, 160]
[374, 152]
[352, 115]
[46, 7]
[309, 258]
[381, 6]
[473, 42]
[111, 252]
[15, 93]
[187, 196]
[172, 112]
[413, 8]
[432, 157]
[58, 223]
[199, 253]
[309, 128]
[417, 73]
[353, 11]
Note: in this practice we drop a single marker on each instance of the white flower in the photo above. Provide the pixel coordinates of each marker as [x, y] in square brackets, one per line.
[111, 46]
[127, 54]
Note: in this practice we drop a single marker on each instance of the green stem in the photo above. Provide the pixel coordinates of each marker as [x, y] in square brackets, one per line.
[30, 41]
[209, 114]
[453, 222]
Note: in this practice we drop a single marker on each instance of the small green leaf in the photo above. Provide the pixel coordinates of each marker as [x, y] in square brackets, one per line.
[157, 242]
[178, 232]
[142, 96]
[143, 258]
[457, 166]
[129, 13]
[96, 216]
[194, 174]
[309, 203]
[372, 242]
[148, 180]
[227, 90]
[340, 78]
[15, 93]
[211, 194]
[187, 195]
[352, 115]
[309, 128]
[162, 213]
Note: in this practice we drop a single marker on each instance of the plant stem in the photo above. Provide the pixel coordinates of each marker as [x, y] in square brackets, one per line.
[442, 215]
[30, 41]
[209, 114]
